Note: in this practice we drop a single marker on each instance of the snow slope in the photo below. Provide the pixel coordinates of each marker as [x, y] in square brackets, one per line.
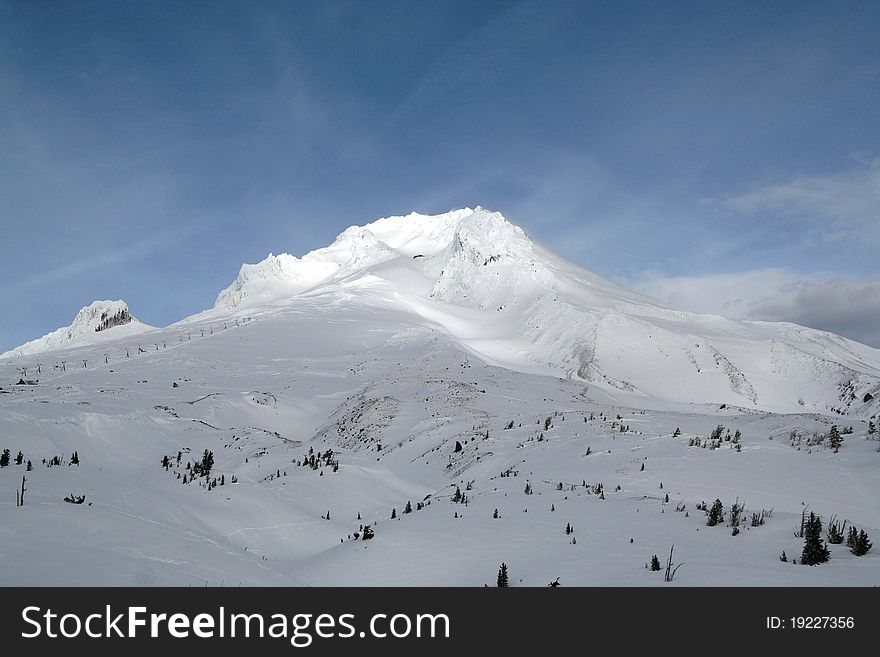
[86, 328]
[336, 388]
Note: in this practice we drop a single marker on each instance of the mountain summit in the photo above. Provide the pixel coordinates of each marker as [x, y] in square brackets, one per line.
[516, 304]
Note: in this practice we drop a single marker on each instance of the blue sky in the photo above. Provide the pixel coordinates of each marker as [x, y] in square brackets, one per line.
[722, 155]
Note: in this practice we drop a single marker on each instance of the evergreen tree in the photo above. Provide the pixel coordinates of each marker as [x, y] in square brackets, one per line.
[19, 458]
[393, 513]
[676, 433]
[495, 514]
[502, 576]
[74, 458]
[783, 557]
[655, 563]
[368, 533]
[835, 532]
[716, 514]
[407, 508]
[815, 550]
[861, 544]
[834, 439]
[872, 429]
[207, 463]
[4, 458]
[30, 466]
[457, 497]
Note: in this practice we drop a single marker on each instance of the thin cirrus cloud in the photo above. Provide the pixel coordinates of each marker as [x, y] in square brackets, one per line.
[847, 307]
[843, 204]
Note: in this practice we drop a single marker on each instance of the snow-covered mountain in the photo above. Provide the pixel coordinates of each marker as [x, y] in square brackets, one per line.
[465, 392]
[518, 305]
[97, 322]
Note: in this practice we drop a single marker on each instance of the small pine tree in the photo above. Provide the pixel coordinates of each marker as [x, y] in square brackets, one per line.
[835, 531]
[655, 563]
[393, 513]
[861, 544]
[783, 557]
[30, 466]
[716, 514]
[676, 433]
[368, 533]
[815, 551]
[19, 458]
[457, 497]
[74, 459]
[736, 511]
[568, 528]
[407, 508]
[502, 576]
[495, 514]
[207, 461]
[4, 458]
[872, 429]
[834, 439]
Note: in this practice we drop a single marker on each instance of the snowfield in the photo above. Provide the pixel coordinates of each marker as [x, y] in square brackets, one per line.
[453, 364]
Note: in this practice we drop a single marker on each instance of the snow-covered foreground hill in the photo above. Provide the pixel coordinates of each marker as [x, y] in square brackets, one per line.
[418, 361]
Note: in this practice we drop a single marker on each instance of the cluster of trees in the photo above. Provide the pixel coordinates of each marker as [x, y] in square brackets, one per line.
[736, 517]
[197, 470]
[109, 321]
[6, 459]
[58, 460]
[816, 550]
[317, 460]
[718, 436]
[409, 507]
[832, 440]
[203, 468]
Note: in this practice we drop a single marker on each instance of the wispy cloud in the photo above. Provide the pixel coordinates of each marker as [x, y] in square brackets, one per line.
[483, 53]
[846, 202]
[848, 307]
[96, 261]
